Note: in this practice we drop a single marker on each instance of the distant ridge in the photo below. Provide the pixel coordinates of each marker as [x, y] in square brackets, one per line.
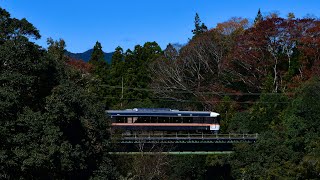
[85, 56]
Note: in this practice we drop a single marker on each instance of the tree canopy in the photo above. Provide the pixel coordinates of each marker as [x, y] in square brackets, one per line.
[51, 126]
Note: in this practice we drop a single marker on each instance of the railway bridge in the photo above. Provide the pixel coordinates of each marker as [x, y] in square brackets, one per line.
[179, 143]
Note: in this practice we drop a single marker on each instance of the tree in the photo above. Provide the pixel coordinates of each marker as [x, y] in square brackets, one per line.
[97, 54]
[288, 148]
[190, 167]
[151, 163]
[291, 16]
[80, 65]
[266, 50]
[258, 18]
[100, 72]
[100, 66]
[199, 67]
[199, 28]
[234, 25]
[116, 75]
[11, 28]
[51, 126]
[309, 46]
[170, 52]
[138, 73]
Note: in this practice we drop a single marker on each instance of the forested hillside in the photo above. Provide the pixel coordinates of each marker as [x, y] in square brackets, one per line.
[262, 77]
[85, 56]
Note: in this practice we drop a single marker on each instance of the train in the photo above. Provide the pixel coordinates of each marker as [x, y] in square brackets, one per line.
[163, 120]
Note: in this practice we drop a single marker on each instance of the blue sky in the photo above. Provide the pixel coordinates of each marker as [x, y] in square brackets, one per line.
[127, 23]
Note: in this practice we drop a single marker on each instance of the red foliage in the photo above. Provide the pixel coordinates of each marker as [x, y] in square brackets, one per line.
[310, 47]
[268, 49]
[80, 65]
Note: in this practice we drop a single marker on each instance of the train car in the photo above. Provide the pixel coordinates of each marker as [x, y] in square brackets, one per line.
[164, 120]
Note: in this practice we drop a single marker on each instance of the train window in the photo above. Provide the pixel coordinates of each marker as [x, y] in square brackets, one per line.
[197, 119]
[177, 120]
[188, 120]
[163, 120]
[120, 119]
[131, 120]
[209, 120]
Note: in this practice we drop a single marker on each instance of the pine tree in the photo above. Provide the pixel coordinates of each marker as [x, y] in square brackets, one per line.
[117, 56]
[116, 75]
[97, 54]
[291, 16]
[258, 18]
[199, 28]
[100, 66]
[170, 52]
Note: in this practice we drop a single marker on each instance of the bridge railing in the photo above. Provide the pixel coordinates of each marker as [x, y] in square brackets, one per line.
[186, 136]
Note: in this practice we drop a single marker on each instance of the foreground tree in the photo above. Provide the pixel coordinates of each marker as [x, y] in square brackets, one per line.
[11, 28]
[51, 126]
[288, 148]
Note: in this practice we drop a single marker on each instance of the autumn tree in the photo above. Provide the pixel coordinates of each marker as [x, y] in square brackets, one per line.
[309, 45]
[265, 52]
[198, 68]
[234, 25]
[80, 65]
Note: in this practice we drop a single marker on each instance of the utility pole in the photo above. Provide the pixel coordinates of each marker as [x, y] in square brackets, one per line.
[121, 91]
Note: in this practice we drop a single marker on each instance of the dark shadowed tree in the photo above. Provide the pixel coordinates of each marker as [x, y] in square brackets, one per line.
[199, 27]
[11, 28]
[258, 18]
[51, 126]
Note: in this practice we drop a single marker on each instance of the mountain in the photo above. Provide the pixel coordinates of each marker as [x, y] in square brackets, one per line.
[87, 54]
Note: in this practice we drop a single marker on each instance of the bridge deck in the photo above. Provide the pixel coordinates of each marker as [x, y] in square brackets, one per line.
[185, 138]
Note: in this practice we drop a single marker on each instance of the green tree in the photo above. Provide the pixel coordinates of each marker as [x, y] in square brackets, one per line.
[97, 55]
[100, 72]
[11, 28]
[138, 73]
[258, 18]
[100, 66]
[191, 167]
[170, 52]
[199, 27]
[51, 126]
[289, 147]
[291, 16]
[117, 73]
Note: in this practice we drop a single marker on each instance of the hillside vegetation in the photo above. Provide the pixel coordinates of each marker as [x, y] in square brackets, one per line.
[261, 77]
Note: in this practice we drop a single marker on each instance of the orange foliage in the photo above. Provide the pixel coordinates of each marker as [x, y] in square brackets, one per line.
[234, 24]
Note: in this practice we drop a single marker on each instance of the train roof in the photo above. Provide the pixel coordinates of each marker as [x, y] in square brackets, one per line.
[160, 112]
